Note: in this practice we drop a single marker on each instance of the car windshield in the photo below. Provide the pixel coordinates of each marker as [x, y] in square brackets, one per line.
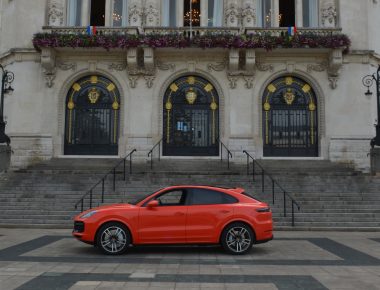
[136, 200]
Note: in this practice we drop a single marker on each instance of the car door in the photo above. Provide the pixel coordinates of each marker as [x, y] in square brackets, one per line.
[166, 222]
[208, 210]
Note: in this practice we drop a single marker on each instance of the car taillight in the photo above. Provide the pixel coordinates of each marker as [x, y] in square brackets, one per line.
[264, 209]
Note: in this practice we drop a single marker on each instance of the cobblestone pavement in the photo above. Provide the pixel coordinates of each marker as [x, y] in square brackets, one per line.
[52, 259]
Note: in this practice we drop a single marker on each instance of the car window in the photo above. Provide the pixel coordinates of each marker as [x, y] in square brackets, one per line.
[205, 196]
[174, 197]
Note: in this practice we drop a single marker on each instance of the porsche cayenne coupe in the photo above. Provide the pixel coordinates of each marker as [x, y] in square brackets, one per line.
[179, 215]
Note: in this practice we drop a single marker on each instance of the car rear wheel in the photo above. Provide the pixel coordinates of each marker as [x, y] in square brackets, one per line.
[113, 238]
[237, 238]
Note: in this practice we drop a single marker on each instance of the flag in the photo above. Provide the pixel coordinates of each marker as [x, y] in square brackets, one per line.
[292, 30]
[91, 30]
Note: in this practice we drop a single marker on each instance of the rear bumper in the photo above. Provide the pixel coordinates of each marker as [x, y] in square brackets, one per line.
[264, 240]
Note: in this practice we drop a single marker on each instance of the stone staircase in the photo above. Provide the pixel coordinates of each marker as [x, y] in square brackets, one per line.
[332, 196]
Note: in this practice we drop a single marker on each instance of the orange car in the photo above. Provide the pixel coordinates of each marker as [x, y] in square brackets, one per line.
[179, 215]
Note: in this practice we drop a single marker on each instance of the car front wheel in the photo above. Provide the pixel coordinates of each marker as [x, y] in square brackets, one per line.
[237, 238]
[113, 239]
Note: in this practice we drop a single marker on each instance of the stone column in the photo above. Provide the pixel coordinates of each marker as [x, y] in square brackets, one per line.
[275, 13]
[180, 8]
[204, 13]
[299, 13]
[108, 21]
[86, 6]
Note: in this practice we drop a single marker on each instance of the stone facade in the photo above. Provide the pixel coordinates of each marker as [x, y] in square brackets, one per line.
[35, 112]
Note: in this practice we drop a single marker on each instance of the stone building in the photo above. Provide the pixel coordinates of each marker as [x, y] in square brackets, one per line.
[278, 78]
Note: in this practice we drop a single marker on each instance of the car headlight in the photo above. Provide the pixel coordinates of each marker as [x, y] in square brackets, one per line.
[89, 214]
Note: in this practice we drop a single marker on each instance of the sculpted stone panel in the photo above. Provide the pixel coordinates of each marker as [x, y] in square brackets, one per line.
[55, 13]
[135, 13]
[328, 12]
[151, 13]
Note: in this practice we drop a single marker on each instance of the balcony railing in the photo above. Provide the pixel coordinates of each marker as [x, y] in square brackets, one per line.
[186, 31]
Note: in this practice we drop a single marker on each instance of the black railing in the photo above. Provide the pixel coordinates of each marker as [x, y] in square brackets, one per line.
[274, 184]
[150, 153]
[229, 154]
[102, 182]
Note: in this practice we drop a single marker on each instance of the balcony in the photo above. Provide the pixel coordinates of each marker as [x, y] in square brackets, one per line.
[182, 37]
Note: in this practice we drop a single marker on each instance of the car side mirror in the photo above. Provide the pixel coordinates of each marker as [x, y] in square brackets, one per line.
[153, 203]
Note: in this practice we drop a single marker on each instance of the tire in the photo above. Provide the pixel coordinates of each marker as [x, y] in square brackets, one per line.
[237, 238]
[113, 238]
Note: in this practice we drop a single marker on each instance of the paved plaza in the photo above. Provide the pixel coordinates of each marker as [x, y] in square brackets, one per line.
[52, 259]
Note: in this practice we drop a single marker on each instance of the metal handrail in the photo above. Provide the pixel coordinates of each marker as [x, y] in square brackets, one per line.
[229, 154]
[150, 153]
[274, 183]
[102, 180]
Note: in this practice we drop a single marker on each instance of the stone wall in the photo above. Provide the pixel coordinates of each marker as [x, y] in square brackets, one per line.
[30, 149]
[354, 151]
[5, 156]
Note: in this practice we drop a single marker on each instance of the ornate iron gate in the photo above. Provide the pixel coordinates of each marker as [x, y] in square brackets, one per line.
[191, 118]
[92, 117]
[290, 119]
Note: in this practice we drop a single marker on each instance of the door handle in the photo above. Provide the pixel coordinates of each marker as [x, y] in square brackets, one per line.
[178, 213]
[225, 211]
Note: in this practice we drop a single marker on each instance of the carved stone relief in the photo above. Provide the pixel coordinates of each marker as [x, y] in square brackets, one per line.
[232, 13]
[328, 13]
[151, 13]
[248, 14]
[55, 13]
[135, 14]
[332, 66]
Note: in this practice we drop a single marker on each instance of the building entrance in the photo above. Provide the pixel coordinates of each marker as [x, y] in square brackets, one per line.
[290, 119]
[191, 118]
[92, 117]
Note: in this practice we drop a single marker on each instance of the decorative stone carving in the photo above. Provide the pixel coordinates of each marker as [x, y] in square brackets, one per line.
[48, 60]
[149, 80]
[248, 81]
[335, 64]
[151, 13]
[165, 66]
[49, 77]
[67, 65]
[232, 80]
[248, 14]
[264, 67]
[233, 64]
[218, 66]
[332, 66]
[232, 13]
[120, 66]
[133, 80]
[55, 13]
[241, 64]
[328, 14]
[135, 13]
[319, 67]
[250, 61]
[148, 59]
